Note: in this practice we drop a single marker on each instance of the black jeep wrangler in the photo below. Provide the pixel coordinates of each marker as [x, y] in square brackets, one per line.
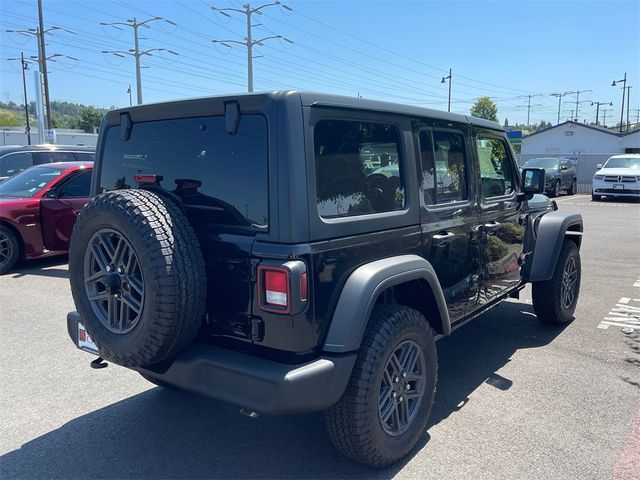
[293, 252]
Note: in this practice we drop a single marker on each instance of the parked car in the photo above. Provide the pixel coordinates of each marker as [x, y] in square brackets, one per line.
[560, 174]
[38, 208]
[240, 247]
[16, 158]
[618, 177]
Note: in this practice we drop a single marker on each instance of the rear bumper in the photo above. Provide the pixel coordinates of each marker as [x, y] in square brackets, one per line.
[254, 383]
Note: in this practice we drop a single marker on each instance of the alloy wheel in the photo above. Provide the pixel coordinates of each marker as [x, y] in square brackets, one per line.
[569, 283]
[114, 282]
[402, 388]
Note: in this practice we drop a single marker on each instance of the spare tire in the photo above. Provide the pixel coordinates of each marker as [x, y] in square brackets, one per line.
[137, 276]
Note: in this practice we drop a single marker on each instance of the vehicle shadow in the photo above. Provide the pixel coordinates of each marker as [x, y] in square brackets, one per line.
[164, 433]
[42, 267]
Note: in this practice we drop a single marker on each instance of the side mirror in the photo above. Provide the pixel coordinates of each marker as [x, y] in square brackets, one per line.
[598, 166]
[51, 193]
[533, 181]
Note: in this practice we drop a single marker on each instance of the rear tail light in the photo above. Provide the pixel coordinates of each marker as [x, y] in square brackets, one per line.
[276, 286]
[283, 287]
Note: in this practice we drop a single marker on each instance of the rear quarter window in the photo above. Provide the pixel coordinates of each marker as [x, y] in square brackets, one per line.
[221, 178]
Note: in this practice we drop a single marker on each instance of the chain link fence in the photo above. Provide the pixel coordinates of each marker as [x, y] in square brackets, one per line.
[585, 164]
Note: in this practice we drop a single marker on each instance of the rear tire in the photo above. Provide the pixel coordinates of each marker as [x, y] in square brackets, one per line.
[137, 276]
[555, 300]
[9, 249]
[370, 423]
[574, 188]
[555, 191]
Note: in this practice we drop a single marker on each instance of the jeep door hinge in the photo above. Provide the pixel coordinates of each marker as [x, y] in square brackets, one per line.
[257, 329]
[253, 267]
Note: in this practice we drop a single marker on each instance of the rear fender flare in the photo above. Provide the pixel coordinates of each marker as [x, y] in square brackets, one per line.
[362, 289]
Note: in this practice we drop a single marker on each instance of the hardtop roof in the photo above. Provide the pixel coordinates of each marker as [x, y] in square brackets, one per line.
[328, 100]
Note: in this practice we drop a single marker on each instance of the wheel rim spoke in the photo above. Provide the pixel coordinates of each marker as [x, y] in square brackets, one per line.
[402, 388]
[113, 281]
[569, 283]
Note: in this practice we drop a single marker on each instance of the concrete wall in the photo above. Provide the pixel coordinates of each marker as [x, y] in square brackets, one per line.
[18, 137]
[573, 138]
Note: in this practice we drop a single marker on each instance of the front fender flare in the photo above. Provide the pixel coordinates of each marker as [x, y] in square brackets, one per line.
[552, 229]
[362, 289]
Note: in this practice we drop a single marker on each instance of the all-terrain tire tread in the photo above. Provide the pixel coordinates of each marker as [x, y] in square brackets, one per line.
[347, 421]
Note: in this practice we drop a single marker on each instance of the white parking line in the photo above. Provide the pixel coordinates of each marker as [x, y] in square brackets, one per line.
[623, 315]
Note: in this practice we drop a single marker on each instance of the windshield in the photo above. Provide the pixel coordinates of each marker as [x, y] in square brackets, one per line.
[546, 163]
[623, 162]
[28, 183]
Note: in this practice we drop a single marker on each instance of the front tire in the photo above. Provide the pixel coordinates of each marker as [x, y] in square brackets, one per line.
[595, 198]
[574, 187]
[9, 249]
[555, 191]
[387, 402]
[555, 300]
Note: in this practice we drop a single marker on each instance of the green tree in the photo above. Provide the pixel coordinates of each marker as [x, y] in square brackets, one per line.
[90, 119]
[485, 108]
[506, 123]
[8, 119]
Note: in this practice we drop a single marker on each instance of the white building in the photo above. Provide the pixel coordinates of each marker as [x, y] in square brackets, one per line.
[572, 138]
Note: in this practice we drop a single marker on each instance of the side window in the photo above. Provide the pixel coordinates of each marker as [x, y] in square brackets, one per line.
[50, 157]
[14, 163]
[77, 187]
[496, 169]
[443, 158]
[358, 168]
[85, 157]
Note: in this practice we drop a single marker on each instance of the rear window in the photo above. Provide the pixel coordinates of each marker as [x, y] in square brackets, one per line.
[221, 178]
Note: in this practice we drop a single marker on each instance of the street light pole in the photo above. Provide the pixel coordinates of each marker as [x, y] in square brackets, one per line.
[628, 104]
[249, 41]
[448, 77]
[135, 52]
[624, 84]
[129, 92]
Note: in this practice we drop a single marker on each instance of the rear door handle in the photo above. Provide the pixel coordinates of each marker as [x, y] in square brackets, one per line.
[443, 238]
[492, 227]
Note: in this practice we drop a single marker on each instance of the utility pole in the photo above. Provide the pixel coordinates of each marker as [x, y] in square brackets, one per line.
[577, 94]
[624, 84]
[559, 95]
[135, 51]
[604, 117]
[249, 41]
[628, 105]
[39, 33]
[528, 105]
[24, 63]
[637, 110]
[129, 92]
[444, 79]
[597, 104]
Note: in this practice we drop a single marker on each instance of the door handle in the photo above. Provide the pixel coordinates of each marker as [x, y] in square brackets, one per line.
[442, 238]
[491, 227]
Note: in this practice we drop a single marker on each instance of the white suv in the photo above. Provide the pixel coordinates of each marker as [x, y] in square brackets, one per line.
[618, 177]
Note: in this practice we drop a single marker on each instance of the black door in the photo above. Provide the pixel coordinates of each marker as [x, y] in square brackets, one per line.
[449, 217]
[501, 217]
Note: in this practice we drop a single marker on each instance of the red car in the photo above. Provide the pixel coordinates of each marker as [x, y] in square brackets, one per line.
[38, 208]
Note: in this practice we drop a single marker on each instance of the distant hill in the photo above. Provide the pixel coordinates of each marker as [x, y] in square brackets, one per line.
[64, 115]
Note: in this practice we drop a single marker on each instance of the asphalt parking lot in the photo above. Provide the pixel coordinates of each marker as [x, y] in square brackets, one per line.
[515, 399]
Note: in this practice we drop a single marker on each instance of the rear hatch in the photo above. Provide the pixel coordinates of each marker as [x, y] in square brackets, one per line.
[221, 180]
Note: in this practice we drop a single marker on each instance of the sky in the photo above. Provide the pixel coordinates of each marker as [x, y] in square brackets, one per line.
[381, 49]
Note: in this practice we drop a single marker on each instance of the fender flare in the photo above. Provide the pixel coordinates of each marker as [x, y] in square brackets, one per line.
[553, 228]
[362, 289]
